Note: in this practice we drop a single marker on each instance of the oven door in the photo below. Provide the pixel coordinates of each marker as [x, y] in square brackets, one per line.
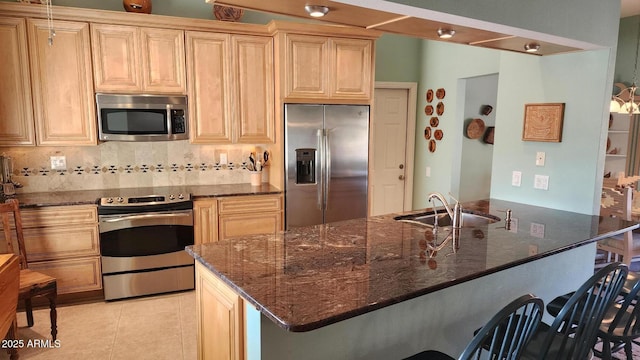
[142, 241]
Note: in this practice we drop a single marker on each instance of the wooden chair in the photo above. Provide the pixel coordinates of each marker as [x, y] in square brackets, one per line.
[617, 203]
[503, 337]
[574, 330]
[9, 284]
[32, 283]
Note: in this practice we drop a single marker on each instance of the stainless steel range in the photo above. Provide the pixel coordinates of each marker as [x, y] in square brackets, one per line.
[142, 241]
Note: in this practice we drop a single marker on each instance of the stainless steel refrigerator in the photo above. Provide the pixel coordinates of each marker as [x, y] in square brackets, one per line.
[326, 157]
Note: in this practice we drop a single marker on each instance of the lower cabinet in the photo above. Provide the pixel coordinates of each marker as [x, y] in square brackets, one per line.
[220, 317]
[63, 242]
[234, 216]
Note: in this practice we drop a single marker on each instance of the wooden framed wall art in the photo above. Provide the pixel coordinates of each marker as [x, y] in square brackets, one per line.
[543, 122]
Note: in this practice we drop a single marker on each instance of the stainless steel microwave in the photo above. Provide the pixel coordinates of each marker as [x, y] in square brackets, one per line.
[142, 117]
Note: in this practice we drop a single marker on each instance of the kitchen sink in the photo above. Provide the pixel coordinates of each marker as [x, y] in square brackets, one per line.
[428, 219]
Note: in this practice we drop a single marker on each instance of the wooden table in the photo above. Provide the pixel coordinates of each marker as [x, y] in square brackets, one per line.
[9, 284]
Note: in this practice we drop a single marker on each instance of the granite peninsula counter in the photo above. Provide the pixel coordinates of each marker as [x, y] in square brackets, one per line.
[315, 281]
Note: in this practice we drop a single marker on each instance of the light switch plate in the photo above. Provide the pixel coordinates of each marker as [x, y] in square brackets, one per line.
[223, 158]
[537, 230]
[58, 162]
[427, 172]
[541, 182]
[540, 157]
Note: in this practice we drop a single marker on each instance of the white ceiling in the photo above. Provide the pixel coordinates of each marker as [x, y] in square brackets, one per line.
[629, 8]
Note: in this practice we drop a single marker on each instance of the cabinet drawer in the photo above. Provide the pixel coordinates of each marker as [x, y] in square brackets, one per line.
[249, 224]
[57, 243]
[73, 275]
[249, 204]
[59, 216]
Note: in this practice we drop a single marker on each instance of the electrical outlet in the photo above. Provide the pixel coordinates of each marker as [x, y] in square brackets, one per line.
[427, 172]
[223, 158]
[58, 162]
[540, 157]
[541, 182]
[516, 178]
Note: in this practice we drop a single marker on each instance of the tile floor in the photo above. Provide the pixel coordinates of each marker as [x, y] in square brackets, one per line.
[159, 327]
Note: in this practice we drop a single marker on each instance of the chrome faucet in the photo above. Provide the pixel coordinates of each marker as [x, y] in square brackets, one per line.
[455, 214]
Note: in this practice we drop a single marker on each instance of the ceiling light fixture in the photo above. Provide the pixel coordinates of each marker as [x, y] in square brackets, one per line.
[316, 10]
[625, 102]
[531, 47]
[445, 33]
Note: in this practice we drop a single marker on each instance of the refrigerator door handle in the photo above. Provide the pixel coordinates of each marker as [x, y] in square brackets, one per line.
[320, 136]
[327, 179]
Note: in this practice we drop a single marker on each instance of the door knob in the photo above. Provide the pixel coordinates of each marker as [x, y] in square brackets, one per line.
[401, 166]
[401, 177]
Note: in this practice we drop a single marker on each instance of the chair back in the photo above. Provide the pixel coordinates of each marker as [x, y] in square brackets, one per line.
[11, 219]
[574, 331]
[616, 202]
[626, 323]
[507, 332]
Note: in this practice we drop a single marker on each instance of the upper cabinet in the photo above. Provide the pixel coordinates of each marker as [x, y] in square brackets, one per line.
[62, 83]
[231, 88]
[253, 75]
[15, 87]
[133, 59]
[324, 67]
[209, 77]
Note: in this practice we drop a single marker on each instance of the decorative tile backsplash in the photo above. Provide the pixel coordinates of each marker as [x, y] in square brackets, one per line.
[128, 164]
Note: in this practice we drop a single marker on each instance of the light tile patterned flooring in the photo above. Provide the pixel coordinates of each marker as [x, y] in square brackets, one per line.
[158, 327]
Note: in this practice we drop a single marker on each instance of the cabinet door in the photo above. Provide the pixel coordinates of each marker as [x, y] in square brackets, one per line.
[163, 60]
[255, 101]
[205, 221]
[236, 225]
[307, 66]
[351, 68]
[220, 317]
[16, 127]
[116, 58]
[62, 83]
[208, 75]
[72, 275]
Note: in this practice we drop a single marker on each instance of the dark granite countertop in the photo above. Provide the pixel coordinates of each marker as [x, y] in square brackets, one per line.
[88, 197]
[306, 278]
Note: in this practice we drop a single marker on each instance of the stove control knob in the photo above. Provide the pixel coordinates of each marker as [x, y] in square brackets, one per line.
[172, 197]
[120, 199]
[109, 200]
[180, 196]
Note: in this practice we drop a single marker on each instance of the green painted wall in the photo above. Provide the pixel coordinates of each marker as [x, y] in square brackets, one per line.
[626, 51]
[398, 58]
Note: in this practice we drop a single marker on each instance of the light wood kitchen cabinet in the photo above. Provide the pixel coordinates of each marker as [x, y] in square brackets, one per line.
[17, 127]
[249, 215]
[220, 318]
[210, 87]
[228, 217]
[231, 88]
[62, 83]
[254, 78]
[132, 59]
[321, 67]
[63, 242]
[205, 220]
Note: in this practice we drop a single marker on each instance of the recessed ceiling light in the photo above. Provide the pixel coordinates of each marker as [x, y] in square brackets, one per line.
[532, 47]
[446, 33]
[316, 10]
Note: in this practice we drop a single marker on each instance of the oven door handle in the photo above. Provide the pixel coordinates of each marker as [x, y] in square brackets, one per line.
[117, 222]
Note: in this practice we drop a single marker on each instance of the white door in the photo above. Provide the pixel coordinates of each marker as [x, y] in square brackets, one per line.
[391, 176]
